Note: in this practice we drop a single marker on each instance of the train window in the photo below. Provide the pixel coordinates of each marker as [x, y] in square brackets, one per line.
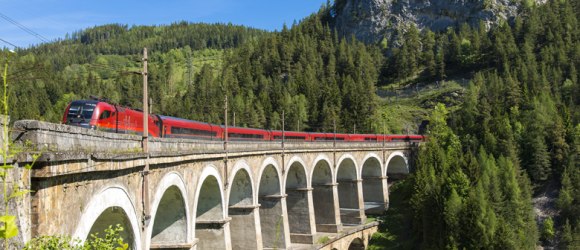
[298, 138]
[245, 136]
[106, 114]
[81, 110]
[328, 139]
[191, 131]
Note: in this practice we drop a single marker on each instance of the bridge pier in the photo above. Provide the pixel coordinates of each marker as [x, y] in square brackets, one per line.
[211, 225]
[350, 193]
[374, 188]
[244, 213]
[273, 219]
[299, 205]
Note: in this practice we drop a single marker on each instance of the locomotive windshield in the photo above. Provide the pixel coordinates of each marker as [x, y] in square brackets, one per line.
[80, 113]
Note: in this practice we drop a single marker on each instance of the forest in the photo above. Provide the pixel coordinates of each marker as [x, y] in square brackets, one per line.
[515, 133]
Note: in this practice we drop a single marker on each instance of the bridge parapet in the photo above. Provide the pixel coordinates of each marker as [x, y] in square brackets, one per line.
[50, 137]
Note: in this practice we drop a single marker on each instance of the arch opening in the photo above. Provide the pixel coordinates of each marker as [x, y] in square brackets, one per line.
[209, 224]
[241, 211]
[397, 167]
[373, 190]
[170, 224]
[111, 217]
[356, 244]
[348, 198]
[271, 213]
[297, 205]
[323, 198]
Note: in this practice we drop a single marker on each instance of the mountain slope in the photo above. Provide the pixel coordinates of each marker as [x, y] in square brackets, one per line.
[373, 20]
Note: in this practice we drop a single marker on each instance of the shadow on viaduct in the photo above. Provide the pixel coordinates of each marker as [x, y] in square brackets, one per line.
[258, 195]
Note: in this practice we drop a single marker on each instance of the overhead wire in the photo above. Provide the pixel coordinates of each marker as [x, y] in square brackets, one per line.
[7, 42]
[24, 28]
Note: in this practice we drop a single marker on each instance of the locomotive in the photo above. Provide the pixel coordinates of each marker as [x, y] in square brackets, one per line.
[101, 115]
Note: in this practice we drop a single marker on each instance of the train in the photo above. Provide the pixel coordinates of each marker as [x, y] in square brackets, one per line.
[102, 115]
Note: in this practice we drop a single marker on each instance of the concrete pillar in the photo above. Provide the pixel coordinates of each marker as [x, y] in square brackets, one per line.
[212, 234]
[274, 222]
[386, 191]
[374, 191]
[300, 215]
[243, 227]
[285, 221]
[361, 202]
[227, 235]
[259, 240]
[351, 202]
[336, 207]
[325, 202]
[311, 212]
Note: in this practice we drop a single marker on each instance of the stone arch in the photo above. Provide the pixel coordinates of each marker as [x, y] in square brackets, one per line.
[298, 202]
[348, 161]
[271, 208]
[356, 244]
[374, 190]
[170, 213]
[321, 159]
[397, 165]
[323, 185]
[270, 188]
[298, 178]
[348, 180]
[245, 185]
[109, 207]
[209, 210]
[242, 208]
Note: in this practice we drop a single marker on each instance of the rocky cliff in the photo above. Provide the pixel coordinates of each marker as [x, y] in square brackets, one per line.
[372, 20]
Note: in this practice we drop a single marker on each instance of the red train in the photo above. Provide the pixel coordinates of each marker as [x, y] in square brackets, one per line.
[100, 115]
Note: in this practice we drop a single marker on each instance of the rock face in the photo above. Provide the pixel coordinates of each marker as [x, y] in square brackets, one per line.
[372, 20]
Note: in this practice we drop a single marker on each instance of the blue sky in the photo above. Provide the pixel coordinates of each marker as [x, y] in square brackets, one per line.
[53, 19]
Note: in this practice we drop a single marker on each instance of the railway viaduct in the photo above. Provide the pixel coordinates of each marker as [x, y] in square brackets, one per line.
[204, 194]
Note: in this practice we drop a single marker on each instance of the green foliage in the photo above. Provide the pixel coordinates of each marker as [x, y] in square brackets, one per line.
[52, 243]
[111, 240]
[484, 208]
[9, 228]
[548, 229]
[323, 239]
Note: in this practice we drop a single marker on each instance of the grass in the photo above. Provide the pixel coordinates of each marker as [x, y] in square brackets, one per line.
[409, 107]
[323, 240]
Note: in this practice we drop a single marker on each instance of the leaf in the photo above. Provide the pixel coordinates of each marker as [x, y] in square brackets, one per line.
[9, 229]
[19, 194]
[7, 166]
[124, 246]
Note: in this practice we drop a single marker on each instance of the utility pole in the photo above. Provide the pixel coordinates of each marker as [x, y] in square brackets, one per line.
[226, 142]
[145, 187]
[145, 104]
[226, 122]
[334, 131]
[283, 127]
[283, 146]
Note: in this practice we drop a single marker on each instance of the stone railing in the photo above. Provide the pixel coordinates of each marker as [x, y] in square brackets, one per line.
[49, 137]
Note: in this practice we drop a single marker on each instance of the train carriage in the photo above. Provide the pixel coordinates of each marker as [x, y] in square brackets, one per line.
[101, 115]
